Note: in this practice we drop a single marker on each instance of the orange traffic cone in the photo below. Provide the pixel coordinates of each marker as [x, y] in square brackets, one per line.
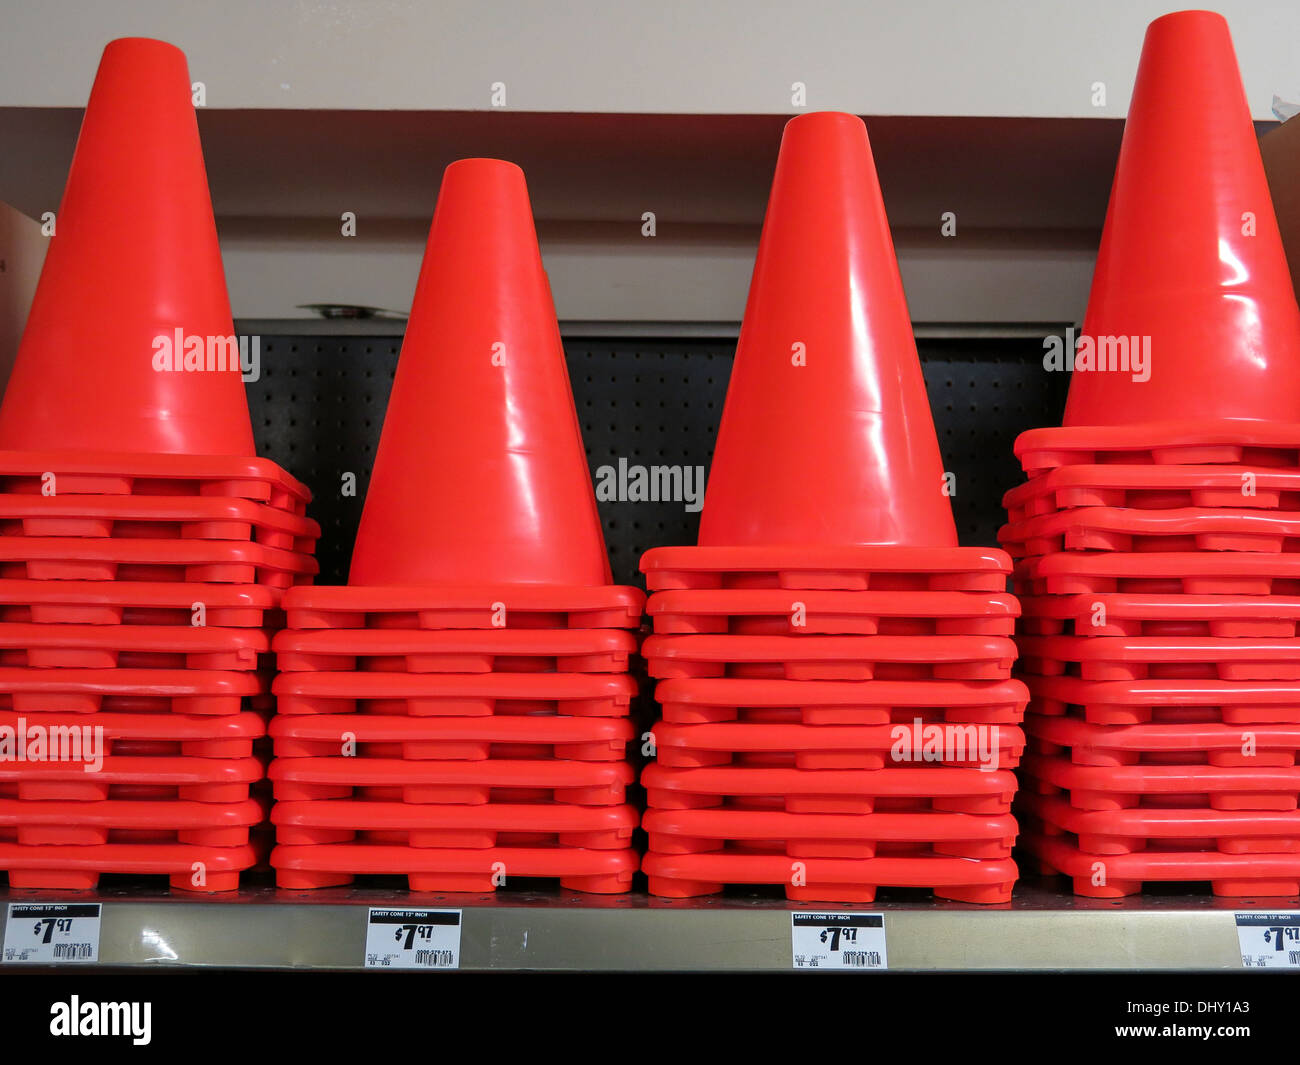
[1157, 616]
[1191, 255]
[132, 283]
[479, 542]
[481, 476]
[145, 548]
[826, 481]
[1192, 328]
[826, 436]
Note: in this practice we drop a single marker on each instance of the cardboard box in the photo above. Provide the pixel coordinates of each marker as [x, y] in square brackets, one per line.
[1280, 148]
[22, 252]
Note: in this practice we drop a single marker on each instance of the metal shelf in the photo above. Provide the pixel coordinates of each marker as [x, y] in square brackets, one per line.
[1042, 929]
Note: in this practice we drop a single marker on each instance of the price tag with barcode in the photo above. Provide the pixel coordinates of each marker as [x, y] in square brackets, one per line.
[413, 939]
[838, 940]
[1269, 940]
[51, 933]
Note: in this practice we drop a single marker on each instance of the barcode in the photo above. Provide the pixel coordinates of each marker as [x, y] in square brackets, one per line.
[863, 959]
[74, 951]
[436, 959]
[1293, 957]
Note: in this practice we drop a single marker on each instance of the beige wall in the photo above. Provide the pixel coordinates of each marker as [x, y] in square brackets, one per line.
[901, 57]
[1029, 191]
[659, 281]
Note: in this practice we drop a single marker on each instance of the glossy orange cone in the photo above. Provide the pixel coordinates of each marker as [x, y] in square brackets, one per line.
[826, 436]
[1191, 256]
[481, 476]
[134, 259]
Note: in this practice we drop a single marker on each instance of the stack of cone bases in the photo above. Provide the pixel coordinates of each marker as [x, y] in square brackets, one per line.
[144, 548]
[1156, 539]
[834, 671]
[459, 713]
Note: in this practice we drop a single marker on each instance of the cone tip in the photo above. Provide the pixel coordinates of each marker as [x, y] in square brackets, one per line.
[483, 166]
[140, 46]
[827, 119]
[471, 185]
[1183, 19]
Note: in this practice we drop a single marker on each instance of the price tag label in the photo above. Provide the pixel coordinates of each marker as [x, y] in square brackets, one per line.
[413, 939]
[838, 940]
[52, 933]
[1269, 940]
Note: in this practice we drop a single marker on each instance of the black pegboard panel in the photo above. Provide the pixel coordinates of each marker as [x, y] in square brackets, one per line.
[319, 406]
[984, 393]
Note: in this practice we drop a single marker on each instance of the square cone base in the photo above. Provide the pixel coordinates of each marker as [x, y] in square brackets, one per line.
[108, 474]
[448, 869]
[918, 569]
[138, 595]
[471, 607]
[502, 650]
[188, 517]
[1182, 443]
[460, 737]
[789, 612]
[810, 702]
[1129, 531]
[829, 657]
